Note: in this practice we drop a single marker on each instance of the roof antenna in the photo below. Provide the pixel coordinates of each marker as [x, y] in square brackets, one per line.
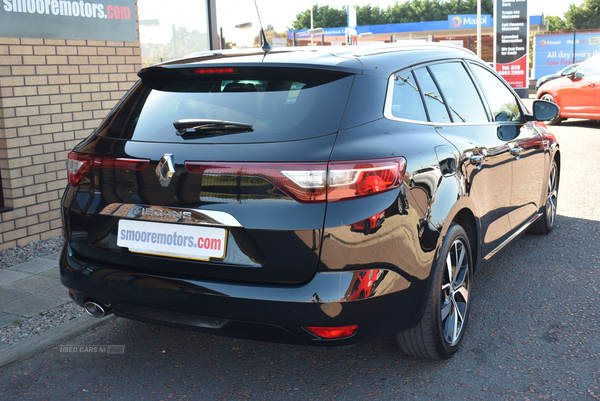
[266, 46]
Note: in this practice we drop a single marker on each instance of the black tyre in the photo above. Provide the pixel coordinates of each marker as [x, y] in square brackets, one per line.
[556, 120]
[441, 329]
[545, 224]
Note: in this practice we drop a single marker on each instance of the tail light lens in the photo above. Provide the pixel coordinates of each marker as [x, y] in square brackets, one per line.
[303, 182]
[317, 182]
[79, 164]
[334, 332]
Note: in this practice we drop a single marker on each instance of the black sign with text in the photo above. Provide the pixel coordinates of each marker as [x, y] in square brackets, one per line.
[113, 20]
[512, 41]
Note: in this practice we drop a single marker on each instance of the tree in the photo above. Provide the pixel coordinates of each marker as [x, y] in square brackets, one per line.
[323, 17]
[367, 15]
[556, 23]
[408, 11]
[586, 16]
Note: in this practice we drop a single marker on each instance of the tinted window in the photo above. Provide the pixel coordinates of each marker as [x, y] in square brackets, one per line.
[433, 99]
[280, 104]
[504, 105]
[459, 92]
[406, 100]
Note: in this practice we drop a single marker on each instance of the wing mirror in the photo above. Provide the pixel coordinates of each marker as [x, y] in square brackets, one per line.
[544, 111]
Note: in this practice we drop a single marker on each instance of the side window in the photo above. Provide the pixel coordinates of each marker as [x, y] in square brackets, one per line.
[460, 92]
[503, 103]
[588, 70]
[433, 98]
[406, 99]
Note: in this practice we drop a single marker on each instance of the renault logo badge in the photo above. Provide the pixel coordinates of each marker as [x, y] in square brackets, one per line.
[165, 170]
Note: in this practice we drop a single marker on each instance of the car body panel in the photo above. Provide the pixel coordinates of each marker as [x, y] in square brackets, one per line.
[290, 264]
[577, 94]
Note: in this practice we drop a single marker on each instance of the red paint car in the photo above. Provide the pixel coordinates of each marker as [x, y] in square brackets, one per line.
[577, 93]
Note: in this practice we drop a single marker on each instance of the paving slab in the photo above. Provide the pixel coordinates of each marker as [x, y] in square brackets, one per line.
[35, 266]
[53, 256]
[10, 276]
[7, 295]
[8, 318]
[54, 273]
[31, 305]
[57, 292]
[34, 284]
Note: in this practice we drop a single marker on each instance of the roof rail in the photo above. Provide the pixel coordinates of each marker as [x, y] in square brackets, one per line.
[388, 47]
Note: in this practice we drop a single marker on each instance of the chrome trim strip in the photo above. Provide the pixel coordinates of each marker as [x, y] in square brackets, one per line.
[171, 215]
[532, 220]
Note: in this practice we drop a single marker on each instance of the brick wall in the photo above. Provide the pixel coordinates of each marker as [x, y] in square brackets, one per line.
[53, 93]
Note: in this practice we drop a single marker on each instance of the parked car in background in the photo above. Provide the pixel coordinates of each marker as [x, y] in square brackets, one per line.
[550, 77]
[577, 93]
[310, 196]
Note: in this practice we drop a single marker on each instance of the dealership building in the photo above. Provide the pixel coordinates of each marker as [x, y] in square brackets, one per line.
[63, 66]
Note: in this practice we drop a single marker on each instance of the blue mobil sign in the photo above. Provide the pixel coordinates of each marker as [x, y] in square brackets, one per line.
[464, 21]
[555, 52]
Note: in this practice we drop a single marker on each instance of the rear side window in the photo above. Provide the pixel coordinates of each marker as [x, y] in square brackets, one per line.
[459, 92]
[433, 98]
[406, 99]
[279, 104]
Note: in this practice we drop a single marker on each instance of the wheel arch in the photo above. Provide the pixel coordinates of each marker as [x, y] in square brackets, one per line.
[466, 219]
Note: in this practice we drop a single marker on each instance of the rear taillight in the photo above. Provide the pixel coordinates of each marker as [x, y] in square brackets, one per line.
[80, 163]
[317, 182]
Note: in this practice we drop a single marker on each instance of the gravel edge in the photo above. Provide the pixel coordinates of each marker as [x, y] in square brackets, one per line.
[35, 249]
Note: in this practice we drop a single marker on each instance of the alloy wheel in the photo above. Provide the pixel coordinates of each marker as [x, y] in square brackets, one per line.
[552, 197]
[456, 288]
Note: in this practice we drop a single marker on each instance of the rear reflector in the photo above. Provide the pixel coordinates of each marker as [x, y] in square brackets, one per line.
[334, 332]
[80, 163]
[317, 182]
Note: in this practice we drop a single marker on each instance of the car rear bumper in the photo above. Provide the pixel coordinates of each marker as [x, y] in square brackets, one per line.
[268, 313]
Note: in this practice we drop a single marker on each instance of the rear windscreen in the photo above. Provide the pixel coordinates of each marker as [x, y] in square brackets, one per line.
[279, 103]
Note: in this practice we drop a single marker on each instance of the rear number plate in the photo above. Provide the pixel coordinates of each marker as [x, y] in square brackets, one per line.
[178, 241]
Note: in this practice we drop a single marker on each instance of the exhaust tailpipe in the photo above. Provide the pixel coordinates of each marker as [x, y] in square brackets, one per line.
[96, 309]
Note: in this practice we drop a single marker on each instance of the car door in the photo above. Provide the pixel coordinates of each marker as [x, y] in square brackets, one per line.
[455, 106]
[578, 95]
[526, 146]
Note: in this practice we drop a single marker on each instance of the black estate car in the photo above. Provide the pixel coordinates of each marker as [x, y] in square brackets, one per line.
[321, 196]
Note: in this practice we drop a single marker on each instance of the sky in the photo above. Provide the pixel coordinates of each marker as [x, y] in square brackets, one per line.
[281, 13]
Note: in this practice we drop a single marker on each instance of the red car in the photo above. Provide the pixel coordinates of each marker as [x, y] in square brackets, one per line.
[577, 93]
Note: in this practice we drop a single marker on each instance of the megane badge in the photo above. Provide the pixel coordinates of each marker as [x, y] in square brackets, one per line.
[165, 170]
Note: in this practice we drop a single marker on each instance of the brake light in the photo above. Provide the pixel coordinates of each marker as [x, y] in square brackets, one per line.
[317, 182]
[80, 163]
[334, 332]
[364, 177]
[219, 70]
